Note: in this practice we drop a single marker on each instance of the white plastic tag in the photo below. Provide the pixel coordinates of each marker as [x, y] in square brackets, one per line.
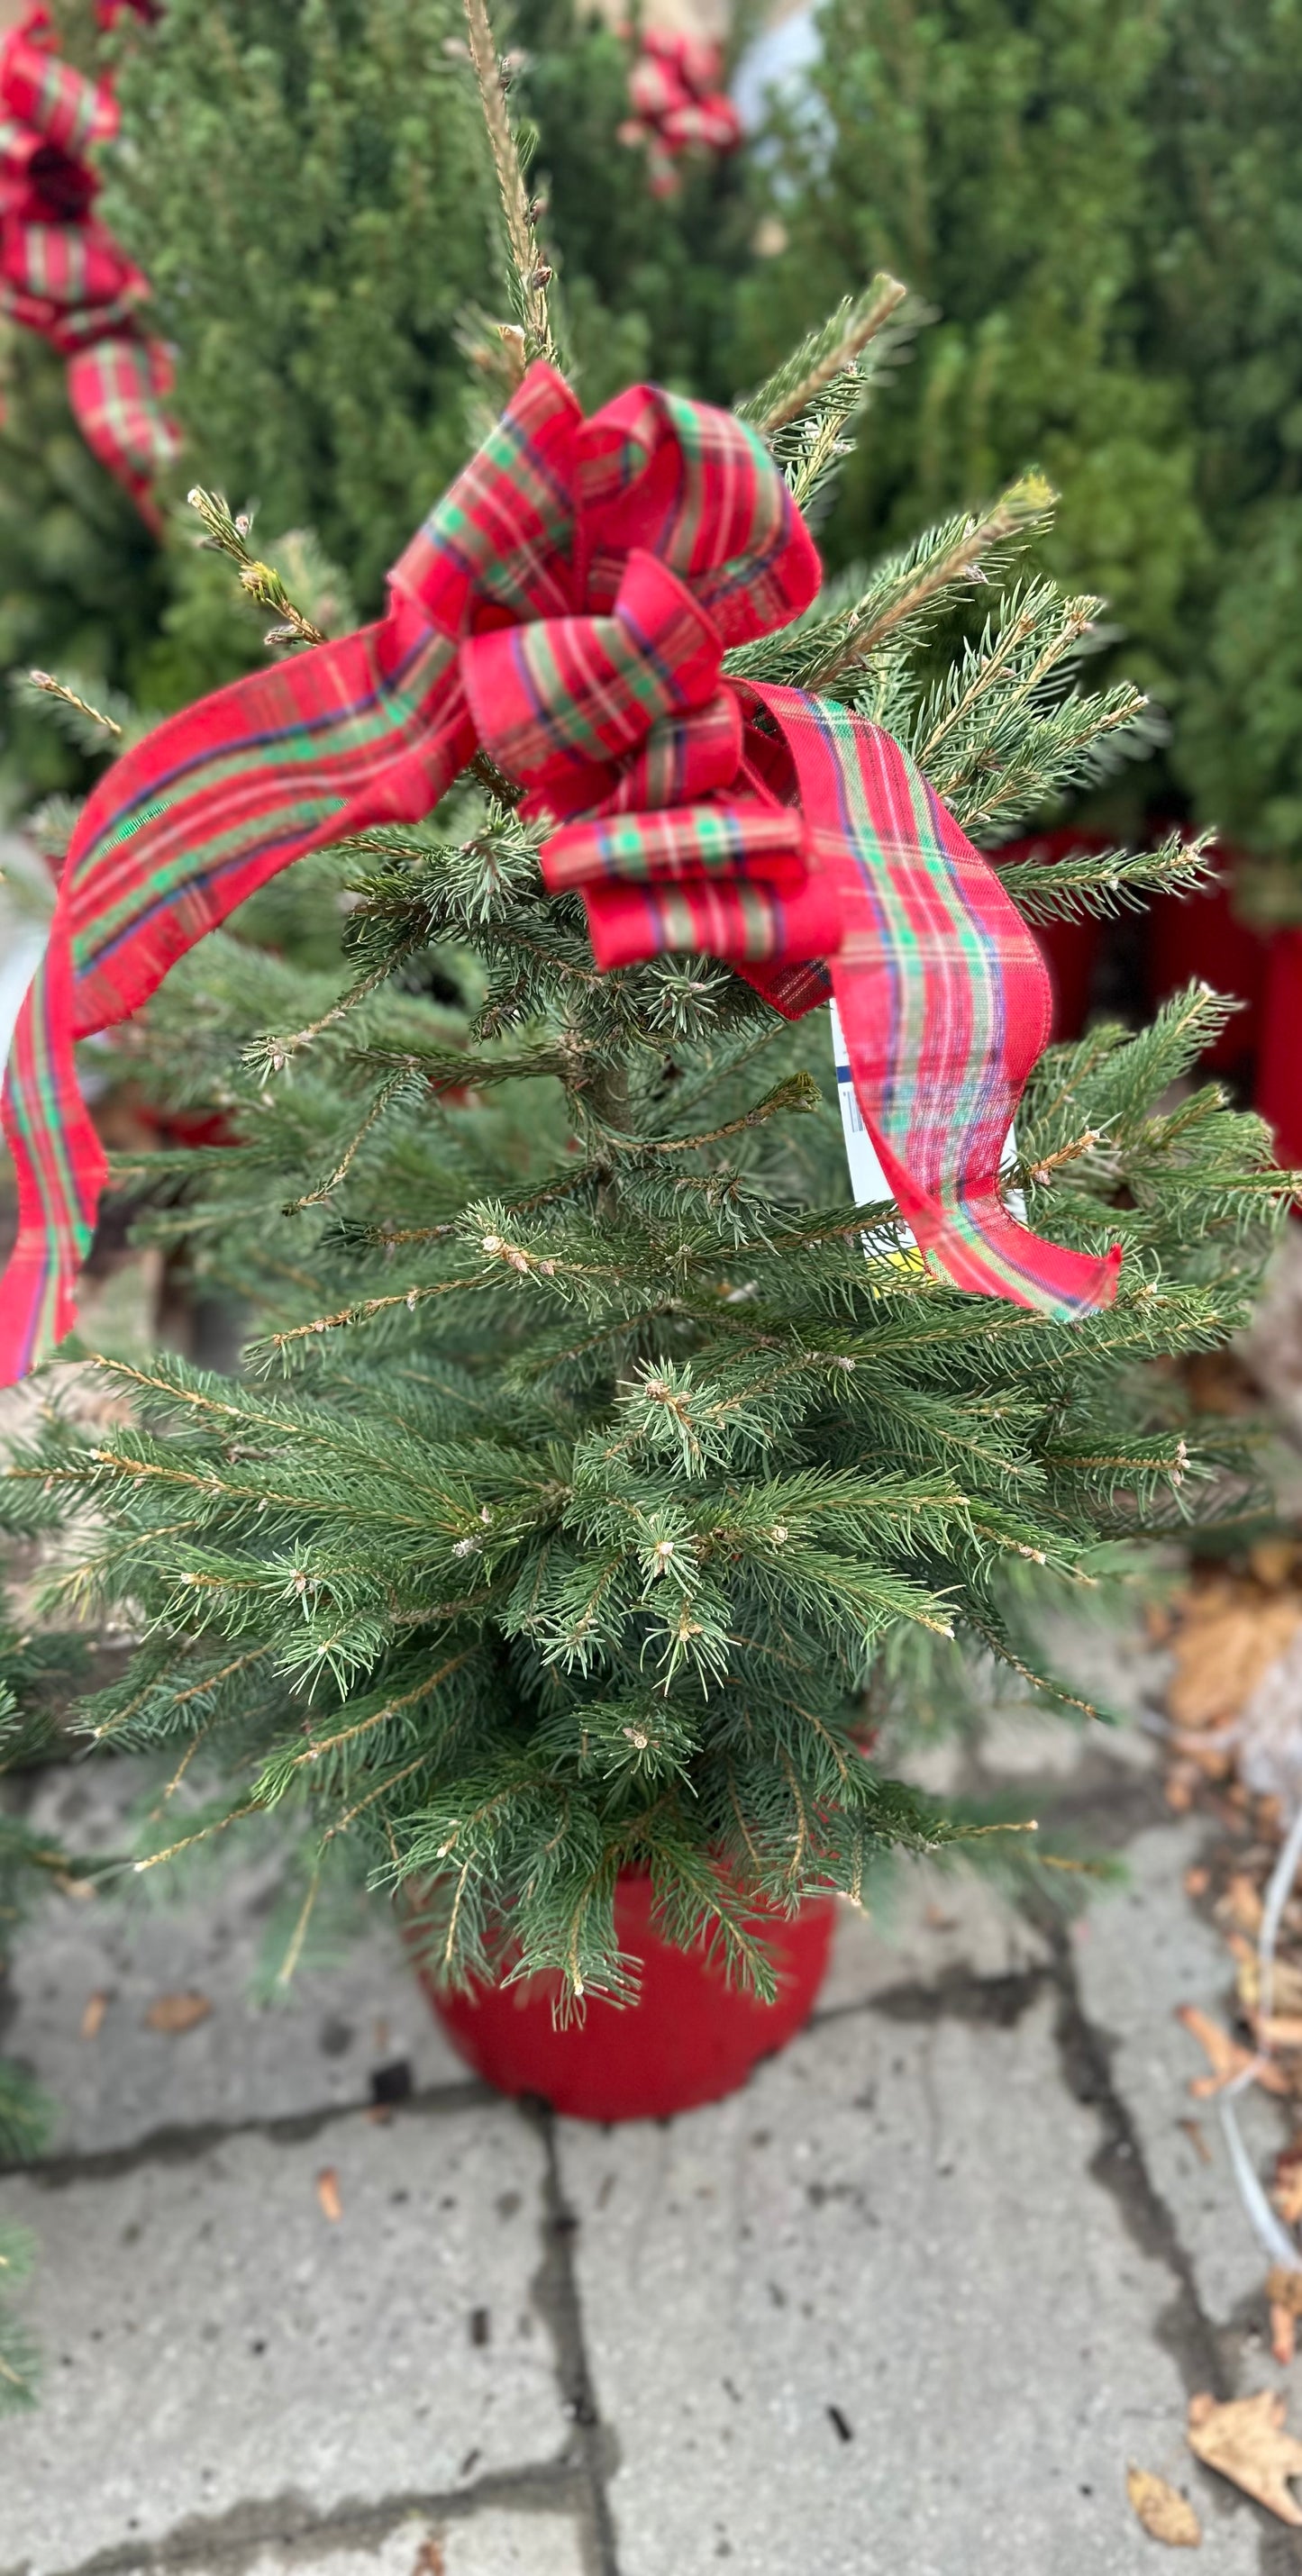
[868, 1182]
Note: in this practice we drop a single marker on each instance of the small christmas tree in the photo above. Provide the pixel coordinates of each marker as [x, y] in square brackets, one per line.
[315, 281]
[624, 1456]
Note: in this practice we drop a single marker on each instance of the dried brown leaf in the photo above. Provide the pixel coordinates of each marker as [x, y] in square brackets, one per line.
[92, 2019]
[1165, 2514]
[1228, 1638]
[1193, 2131]
[1241, 1903]
[1287, 2192]
[177, 2013]
[1279, 2030]
[1284, 2291]
[327, 2192]
[1245, 2441]
[1226, 2057]
[1272, 1560]
[1285, 1983]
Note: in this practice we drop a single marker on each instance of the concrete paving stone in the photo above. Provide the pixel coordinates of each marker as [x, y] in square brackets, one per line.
[213, 2340]
[1113, 1662]
[875, 2315]
[1142, 1951]
[317, 2049]
[492, 2541]
[931, 1925]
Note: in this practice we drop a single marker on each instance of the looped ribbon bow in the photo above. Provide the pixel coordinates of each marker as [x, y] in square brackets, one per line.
[62, 273]
[673, 90]
[567, 606]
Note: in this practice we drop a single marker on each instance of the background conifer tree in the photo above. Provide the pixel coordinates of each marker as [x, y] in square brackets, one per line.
[304, 185]
[1104, 240]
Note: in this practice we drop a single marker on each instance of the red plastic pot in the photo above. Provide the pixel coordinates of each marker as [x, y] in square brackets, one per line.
[1279, 1062]
[1070, 948]
[689, 2038]
[1201, 937]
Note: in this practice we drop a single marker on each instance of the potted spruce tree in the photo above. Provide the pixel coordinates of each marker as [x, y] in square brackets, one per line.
[601, 1445]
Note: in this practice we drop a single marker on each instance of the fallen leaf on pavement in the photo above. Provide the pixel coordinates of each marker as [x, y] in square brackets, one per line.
[1196, 2140]
[1246, 2442]
[1287, 2193]
[1284, 2291]
[430, 2560]
[1283, 2030]
[1273, 1560]
[175, 2013]
[1285, 1984]
[92, 2019]
[327, 2192]
[1226, 2057]
[1242, 1903]
[1164, 2512]
[1227, 1639]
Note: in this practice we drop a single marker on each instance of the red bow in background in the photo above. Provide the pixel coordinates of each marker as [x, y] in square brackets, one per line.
[568, 605]
[62, 273]
[677, 105]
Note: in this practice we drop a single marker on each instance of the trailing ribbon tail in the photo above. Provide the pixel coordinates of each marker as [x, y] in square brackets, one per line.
[944, 1000]
[370, 729]
[181, 830]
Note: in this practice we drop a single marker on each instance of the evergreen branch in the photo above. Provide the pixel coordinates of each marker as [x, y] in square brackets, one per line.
[269, 1054]
[1088, 884]
[529, 272]
[829, 351]
[362, 1311]
[1036, 1681]
[904, 592]
[203, 1834]
[422, 1690]
[47, 686]
[398, 1085]
[228, 535]
[952, 708]
[797, 1091]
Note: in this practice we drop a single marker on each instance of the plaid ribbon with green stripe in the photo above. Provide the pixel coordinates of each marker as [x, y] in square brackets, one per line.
[62, 273]
[567, 606]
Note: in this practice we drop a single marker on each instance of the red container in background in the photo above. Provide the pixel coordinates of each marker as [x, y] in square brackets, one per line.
[1071, 948]
[1200, 938]
[1279, 1061]
[689, 2038]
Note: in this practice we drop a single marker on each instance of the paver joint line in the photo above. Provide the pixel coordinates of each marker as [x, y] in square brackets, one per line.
[556, 2291]
[955, 1995]
[184, 2145]
[238, 2539]
[1120, 2167]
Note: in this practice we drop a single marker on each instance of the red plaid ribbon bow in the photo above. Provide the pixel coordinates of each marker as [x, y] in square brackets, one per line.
[567, 606]
[673, 89]
[61, 271]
